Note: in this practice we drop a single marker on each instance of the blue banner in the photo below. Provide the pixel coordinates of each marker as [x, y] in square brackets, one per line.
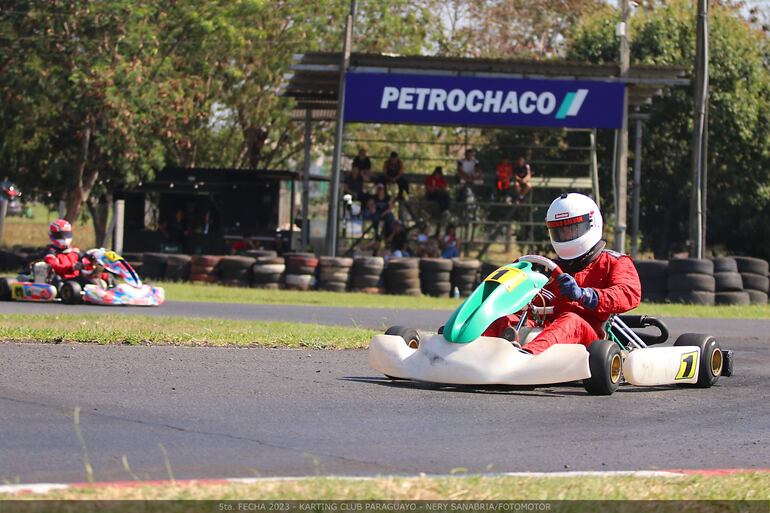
[481, 101]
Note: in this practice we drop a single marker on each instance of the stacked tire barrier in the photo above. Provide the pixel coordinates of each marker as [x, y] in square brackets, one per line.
[267, 272]
[402, 276]
[300, 271]
[235, 271]
[728, 283]
[177, 268]
[654, 277]
[203, 268]
[754, 276]
[435, 276]
[334, 273]
[691, 280]
[154, 266]
[366, 274]
[465, 275]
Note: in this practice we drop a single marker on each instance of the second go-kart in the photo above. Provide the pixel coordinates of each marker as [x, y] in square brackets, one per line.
[40, 285]
[460, 355]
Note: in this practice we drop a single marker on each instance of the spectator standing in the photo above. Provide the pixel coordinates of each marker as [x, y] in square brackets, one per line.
[436, 189]
[354, 185]
[363, 163]
[504, 173]
[380, 208]
[521, 179]
[393, 172]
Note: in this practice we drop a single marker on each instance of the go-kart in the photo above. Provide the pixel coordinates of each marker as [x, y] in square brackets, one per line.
[459, 355]
[99, 270]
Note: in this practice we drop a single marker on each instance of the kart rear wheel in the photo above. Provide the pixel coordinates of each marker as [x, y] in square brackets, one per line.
[410, 335]
[606, 364]
[5, 289]
[711, 357]
[70, 293]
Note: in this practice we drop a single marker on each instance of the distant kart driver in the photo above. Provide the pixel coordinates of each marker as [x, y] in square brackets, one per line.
[63, 258]
[595, 282]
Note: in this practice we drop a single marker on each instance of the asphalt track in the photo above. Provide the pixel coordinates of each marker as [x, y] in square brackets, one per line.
[227, 412]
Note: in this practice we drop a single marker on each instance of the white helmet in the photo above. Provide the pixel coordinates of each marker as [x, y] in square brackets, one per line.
[574, 225]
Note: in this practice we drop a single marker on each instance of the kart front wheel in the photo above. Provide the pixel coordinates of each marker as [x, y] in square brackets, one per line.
[5, 289]
[70, 293]
[606, 365]
[711, 357]
[410, 335]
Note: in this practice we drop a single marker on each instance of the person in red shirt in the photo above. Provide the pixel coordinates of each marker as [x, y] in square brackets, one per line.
[436, 189]
[595, 282]
[504, 172]
[63, 259]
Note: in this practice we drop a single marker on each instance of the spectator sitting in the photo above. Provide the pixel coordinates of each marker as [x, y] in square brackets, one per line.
[393, 172]
[395, 240]
[521, 178]
[364, 164]
[354, 185]
[450, 246]
[436, 189]
[468, 172]
[504, 172]
[379, 208]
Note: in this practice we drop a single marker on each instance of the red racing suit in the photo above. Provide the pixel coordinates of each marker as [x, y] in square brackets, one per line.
[616, 282]
[63, 261]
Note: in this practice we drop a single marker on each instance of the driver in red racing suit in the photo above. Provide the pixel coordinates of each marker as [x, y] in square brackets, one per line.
[60, 255]
[595, 282]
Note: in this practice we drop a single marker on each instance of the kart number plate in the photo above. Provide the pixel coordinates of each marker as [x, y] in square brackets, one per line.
[687, 365]
[508, 277]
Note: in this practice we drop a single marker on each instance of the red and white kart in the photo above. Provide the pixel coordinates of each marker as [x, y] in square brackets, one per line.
[39, 284]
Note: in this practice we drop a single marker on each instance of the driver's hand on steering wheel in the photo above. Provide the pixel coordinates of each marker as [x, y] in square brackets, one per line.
[569, 289]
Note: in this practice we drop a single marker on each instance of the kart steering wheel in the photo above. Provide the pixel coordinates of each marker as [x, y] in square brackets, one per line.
[555, 272]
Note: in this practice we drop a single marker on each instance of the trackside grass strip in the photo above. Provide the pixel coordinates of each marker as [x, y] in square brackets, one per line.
[138, 330]
[751, 486]
[220, 294]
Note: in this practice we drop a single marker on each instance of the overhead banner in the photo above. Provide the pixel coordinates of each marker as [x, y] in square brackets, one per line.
[456, 100]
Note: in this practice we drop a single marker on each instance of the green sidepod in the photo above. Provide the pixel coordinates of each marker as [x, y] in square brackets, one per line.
[506, 291]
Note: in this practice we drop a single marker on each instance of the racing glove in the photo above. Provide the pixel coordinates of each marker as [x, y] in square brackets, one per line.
[569, 288]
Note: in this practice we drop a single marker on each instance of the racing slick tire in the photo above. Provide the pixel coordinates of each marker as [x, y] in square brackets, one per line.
[5, 288]
[410, 335]
[71, 293]
[606, 364]
[711, 358]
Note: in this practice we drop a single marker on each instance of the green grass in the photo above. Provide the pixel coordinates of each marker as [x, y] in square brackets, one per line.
[140, 330]
[752, 486]
[22, 231]
[220, 294]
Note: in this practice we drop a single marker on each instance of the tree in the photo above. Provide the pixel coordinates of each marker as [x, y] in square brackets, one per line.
[739, 124]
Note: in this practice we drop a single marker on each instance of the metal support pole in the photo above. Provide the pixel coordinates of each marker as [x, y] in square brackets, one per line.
[3, 212]
[334, 196]
[119, 218]
[637, 188]
[306, 181]
[699, 132]
[594, 168]
[621, 164]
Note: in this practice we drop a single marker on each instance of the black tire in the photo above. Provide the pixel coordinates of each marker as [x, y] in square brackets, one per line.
[432, 276]
[725, 265]
[690, 265]
[333, 286]
[260, 253]
[606, 364]
[270, 261]
[326, 261]
[71, 293]
[753, 281]
[691, 282]
[653, 297]
[327, 275]
[756, 297]
[435, 265]
[751, 265]
[440, 330]
[464, 264]
[709, 364]
[365, 282]
[691, 297]
[651, 268]
[657, 285]
[369, 261]
[732, 298]
[464, 282]
[367, 269]
[440, 287]
[402, 263]
[410, 335]
[300, 269]
[396, 275]
[5, 289]
[264, 278]
[728, 282]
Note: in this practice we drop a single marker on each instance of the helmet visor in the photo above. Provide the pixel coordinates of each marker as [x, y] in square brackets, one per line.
[565, 230]
[61, 235]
